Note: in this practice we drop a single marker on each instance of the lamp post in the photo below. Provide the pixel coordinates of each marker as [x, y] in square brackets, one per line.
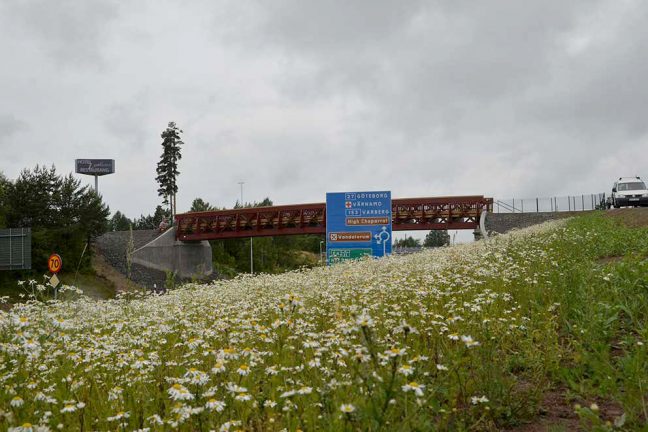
[251, 240]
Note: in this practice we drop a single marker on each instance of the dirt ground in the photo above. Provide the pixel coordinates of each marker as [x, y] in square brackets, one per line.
[557, 410]
[557, 413]
[103, 269]
[631, 217]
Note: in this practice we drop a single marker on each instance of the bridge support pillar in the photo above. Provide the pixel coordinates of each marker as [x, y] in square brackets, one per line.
[186, 260]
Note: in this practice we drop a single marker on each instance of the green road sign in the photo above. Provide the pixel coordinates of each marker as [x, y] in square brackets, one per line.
[340, 255]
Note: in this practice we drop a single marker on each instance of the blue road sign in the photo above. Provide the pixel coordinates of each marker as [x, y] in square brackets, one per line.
[358, 224]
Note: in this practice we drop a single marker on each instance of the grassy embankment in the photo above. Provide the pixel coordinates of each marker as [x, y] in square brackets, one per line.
[93, 286]
[477, 337]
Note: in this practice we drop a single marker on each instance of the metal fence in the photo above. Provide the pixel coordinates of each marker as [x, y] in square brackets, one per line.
[15, 249]
[550, 204]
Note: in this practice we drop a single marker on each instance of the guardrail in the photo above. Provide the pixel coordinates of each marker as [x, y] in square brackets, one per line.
[582, 202]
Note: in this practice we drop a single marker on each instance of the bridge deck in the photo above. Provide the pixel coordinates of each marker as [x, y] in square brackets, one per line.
[437, 213]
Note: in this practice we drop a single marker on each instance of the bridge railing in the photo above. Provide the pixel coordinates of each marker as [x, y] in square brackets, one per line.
[425, 213]
[582, 202]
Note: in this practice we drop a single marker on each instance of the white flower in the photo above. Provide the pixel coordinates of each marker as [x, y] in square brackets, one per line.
[441, 367]
[115, 392]
[218, 368]
[21, 321]
[196, 377]
[305, 390]
[194, 343]
[60, 323]
[288, 394]
[225, 427]
[17, 402]
[469, 341]
[120, 415]
[179, 392]
[31, 344]
[364, 319]
[68, 408]
[347, 408]
[213, 404]
[272, 370]
[233, 388]
[141, 363]
[414, 387]
[477, 400]
[243, 370]
[395, 352]
[406, 370]
[25, 427]
[418, 358]
[155, 419]
[243, 397]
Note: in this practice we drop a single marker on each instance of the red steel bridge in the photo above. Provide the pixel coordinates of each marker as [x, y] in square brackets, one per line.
[437, 213]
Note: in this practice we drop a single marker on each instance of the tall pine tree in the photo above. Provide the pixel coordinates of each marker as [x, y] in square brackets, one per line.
[167, 168]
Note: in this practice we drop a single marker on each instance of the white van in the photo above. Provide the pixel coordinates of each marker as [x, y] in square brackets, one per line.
[629, 191]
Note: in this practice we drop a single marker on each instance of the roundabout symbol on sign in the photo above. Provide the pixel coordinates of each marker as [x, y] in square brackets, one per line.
[382, 237]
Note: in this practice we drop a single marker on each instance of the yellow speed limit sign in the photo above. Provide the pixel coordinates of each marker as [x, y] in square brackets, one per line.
[54, 263]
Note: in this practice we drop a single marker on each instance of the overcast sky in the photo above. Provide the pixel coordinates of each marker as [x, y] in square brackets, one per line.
[297, 98]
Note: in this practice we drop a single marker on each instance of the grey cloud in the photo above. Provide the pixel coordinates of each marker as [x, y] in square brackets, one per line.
[298, 98]
[10, 129]
[126, 120]
[9, 125]
[70, 32]
[474, 77]
[603, 90]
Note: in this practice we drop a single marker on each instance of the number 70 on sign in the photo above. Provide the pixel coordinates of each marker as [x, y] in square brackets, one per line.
[54, 263]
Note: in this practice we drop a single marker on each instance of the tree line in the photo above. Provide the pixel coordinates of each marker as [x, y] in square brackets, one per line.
[435, 238]
[63, 216]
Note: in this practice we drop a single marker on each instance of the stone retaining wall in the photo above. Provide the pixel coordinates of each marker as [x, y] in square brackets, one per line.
[504, 222]
[112, 246]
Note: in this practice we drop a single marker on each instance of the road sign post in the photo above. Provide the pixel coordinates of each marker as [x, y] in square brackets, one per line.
[358, 224]
[54, 265]
[95, 167]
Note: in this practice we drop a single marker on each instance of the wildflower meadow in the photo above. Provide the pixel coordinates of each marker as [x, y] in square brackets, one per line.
[470, 337]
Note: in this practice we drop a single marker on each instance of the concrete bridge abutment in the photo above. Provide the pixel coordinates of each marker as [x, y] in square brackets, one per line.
[186, 259]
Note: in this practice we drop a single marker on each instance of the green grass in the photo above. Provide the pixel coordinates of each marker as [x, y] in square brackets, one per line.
[92, 286]
[462, 338]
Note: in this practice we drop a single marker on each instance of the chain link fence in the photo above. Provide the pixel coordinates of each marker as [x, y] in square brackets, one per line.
[550, 204]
